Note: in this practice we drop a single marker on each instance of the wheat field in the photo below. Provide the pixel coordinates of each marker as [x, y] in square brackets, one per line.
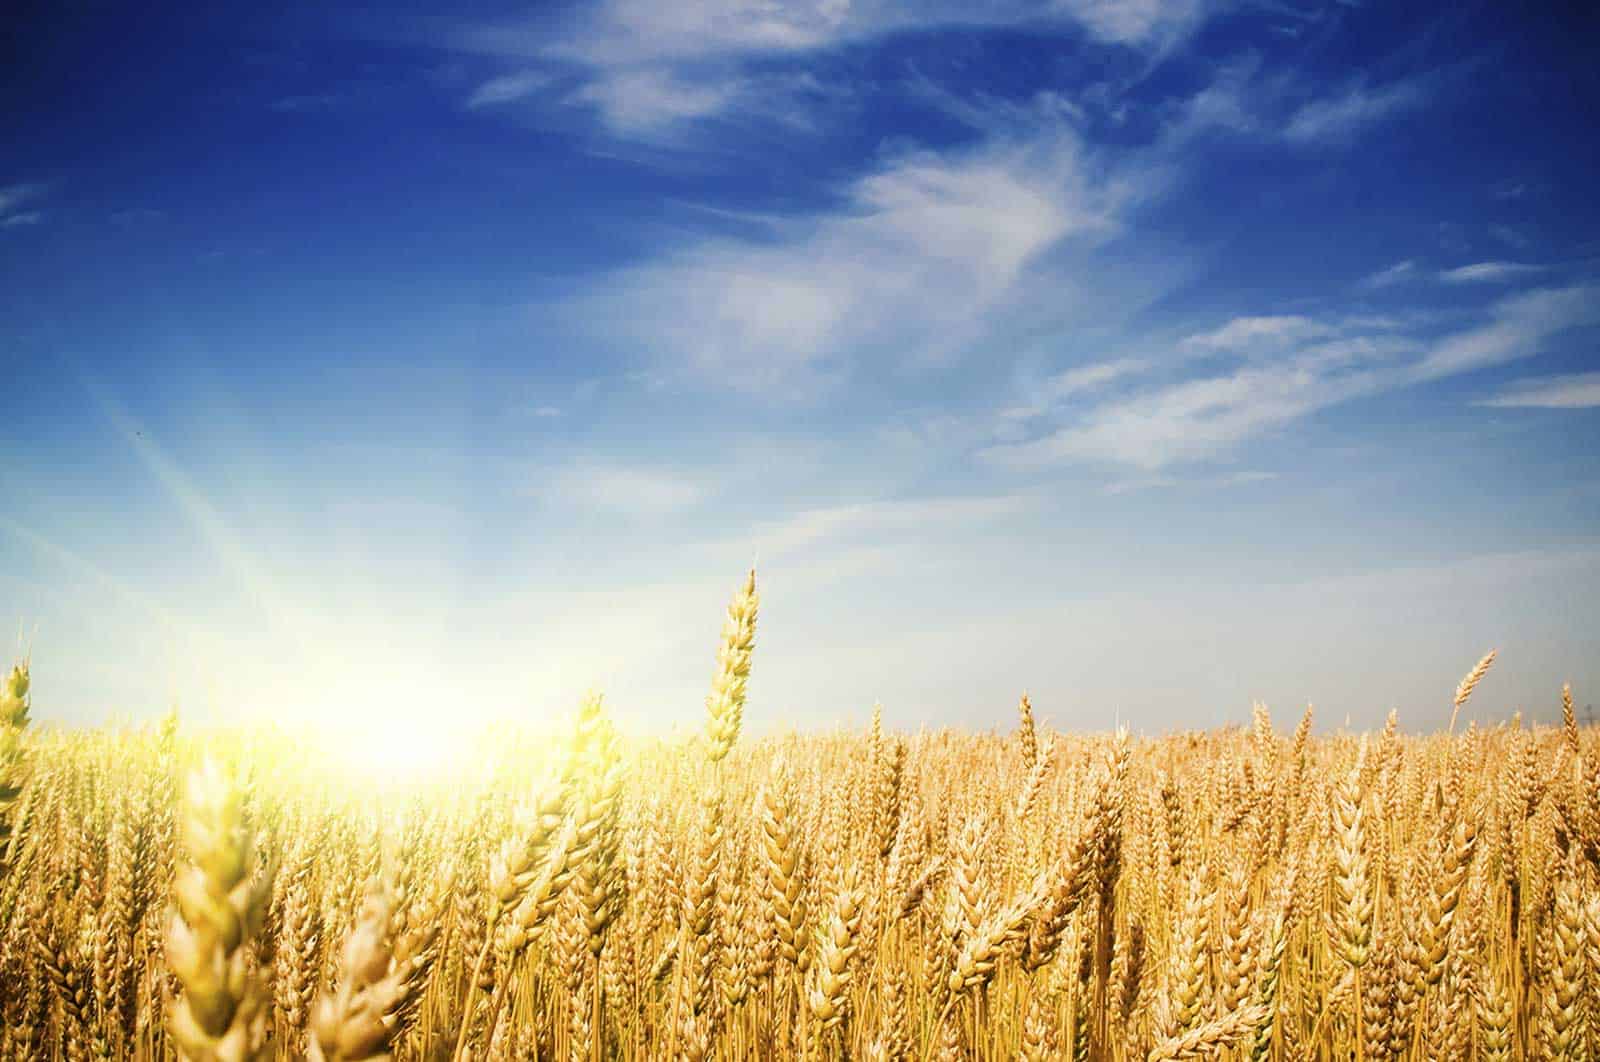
[1245, 893]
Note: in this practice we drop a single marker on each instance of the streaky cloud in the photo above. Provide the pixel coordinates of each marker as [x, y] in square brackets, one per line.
[1575, 391]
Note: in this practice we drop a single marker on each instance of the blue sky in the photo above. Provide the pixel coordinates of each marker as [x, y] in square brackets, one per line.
[404, 362]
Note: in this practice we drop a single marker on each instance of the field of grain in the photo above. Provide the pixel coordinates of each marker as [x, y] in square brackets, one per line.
[1240, 894]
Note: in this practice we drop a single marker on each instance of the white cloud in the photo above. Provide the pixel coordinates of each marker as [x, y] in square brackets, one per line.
[13, 196]
[1091, 377]
[1244, 333]
[1520, 324]
[1512, 235]
[1040, 398]
[1577, 391]
[924, 250]
[1207, 416]
[696, 51]
[1338, 118]
[1245, 97]
[624, 32]
[1188, 421]
[508, 88]
[1250, 99]
[1133, 21]
[619, 33]
[646, 99]
[1388, 278]
[1488, 272]
[1477, 273]
[1228, 103]
[992, 115]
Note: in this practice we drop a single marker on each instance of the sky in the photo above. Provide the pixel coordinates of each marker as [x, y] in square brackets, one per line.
[411, 367]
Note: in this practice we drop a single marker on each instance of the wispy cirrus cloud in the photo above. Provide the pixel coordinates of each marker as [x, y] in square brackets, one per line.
[1391, 276]
[1187, 421]
[1489, 272]
[1512, 236]
[1205, 416]
[1055, 389]
[13, 198]
[625, 32]
[649, 68]
[1337, 118]
[1244, 98]
[922, 252]
[1091, 377]
[648, 100]
[508, 88]
[1245, 333]
[1518, 325]
[1493, 272]
[1576, 391]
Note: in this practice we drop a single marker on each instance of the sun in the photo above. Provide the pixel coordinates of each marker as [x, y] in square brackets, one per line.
[381, 739]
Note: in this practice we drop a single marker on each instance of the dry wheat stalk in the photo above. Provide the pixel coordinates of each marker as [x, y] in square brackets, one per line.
[221, 1014]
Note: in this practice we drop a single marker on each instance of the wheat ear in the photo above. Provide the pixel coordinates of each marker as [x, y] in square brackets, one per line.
[221, 1013]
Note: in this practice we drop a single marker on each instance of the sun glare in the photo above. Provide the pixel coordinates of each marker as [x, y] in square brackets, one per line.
[409, 751]
[386, 741]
